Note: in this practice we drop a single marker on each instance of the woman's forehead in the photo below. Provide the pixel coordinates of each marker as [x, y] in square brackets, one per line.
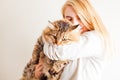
[69, 11]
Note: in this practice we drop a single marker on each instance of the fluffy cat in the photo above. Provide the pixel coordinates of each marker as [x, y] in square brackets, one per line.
[59, 32]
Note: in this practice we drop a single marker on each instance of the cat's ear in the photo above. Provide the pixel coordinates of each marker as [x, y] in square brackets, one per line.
[50, 25]
[74, 27]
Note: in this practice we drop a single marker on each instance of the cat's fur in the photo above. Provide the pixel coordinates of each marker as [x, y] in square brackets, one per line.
[58, 32]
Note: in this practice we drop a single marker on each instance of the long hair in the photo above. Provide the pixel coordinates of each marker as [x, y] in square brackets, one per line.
[89, 18]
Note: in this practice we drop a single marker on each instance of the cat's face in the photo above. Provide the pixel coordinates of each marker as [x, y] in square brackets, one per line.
[60, 32]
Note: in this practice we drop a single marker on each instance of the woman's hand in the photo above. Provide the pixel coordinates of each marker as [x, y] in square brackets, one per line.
[38, 70]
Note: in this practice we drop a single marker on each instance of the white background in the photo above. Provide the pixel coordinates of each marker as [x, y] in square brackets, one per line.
[22, 21]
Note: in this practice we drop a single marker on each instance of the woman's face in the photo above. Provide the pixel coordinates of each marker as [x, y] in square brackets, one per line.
[71, 15]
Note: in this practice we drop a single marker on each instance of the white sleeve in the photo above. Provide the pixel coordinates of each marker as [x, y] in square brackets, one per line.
[89, 45]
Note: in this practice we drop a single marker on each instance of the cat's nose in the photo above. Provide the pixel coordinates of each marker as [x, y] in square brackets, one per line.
[58, 43]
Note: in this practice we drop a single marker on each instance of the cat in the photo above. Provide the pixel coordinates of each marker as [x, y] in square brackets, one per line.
[58, 32]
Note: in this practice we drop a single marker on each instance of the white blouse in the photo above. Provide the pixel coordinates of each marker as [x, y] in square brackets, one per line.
[86, 57]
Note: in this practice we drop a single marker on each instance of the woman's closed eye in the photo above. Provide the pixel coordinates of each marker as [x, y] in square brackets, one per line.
[69, 18]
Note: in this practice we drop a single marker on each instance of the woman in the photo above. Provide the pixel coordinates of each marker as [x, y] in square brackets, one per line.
[87, 55]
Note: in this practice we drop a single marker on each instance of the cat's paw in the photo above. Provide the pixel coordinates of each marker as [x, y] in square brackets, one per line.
[58, 67]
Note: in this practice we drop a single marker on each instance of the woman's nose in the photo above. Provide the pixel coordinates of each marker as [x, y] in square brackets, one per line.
[76, 22]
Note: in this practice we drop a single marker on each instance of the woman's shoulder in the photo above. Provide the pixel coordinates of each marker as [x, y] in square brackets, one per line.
[92, 37]
[92, 34]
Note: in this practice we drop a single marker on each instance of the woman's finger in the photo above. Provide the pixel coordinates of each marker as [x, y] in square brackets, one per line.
[38, 70]
[39, 65]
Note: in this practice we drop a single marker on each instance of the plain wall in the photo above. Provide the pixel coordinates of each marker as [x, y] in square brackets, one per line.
[22, 21]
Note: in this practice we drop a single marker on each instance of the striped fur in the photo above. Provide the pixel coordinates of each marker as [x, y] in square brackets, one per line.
[58, 32]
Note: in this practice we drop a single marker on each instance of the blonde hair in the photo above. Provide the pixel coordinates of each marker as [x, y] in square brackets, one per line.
[89, 17]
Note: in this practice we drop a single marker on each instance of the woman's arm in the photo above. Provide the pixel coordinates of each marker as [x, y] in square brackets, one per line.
[90, 44]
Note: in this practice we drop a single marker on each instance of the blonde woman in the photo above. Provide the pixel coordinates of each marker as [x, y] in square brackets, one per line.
[86, 55]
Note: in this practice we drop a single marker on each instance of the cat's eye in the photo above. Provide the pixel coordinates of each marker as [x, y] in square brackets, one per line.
[54, 36]
[65, 39]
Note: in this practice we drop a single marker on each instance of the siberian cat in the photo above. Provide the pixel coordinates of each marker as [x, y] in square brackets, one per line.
[59, 32]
